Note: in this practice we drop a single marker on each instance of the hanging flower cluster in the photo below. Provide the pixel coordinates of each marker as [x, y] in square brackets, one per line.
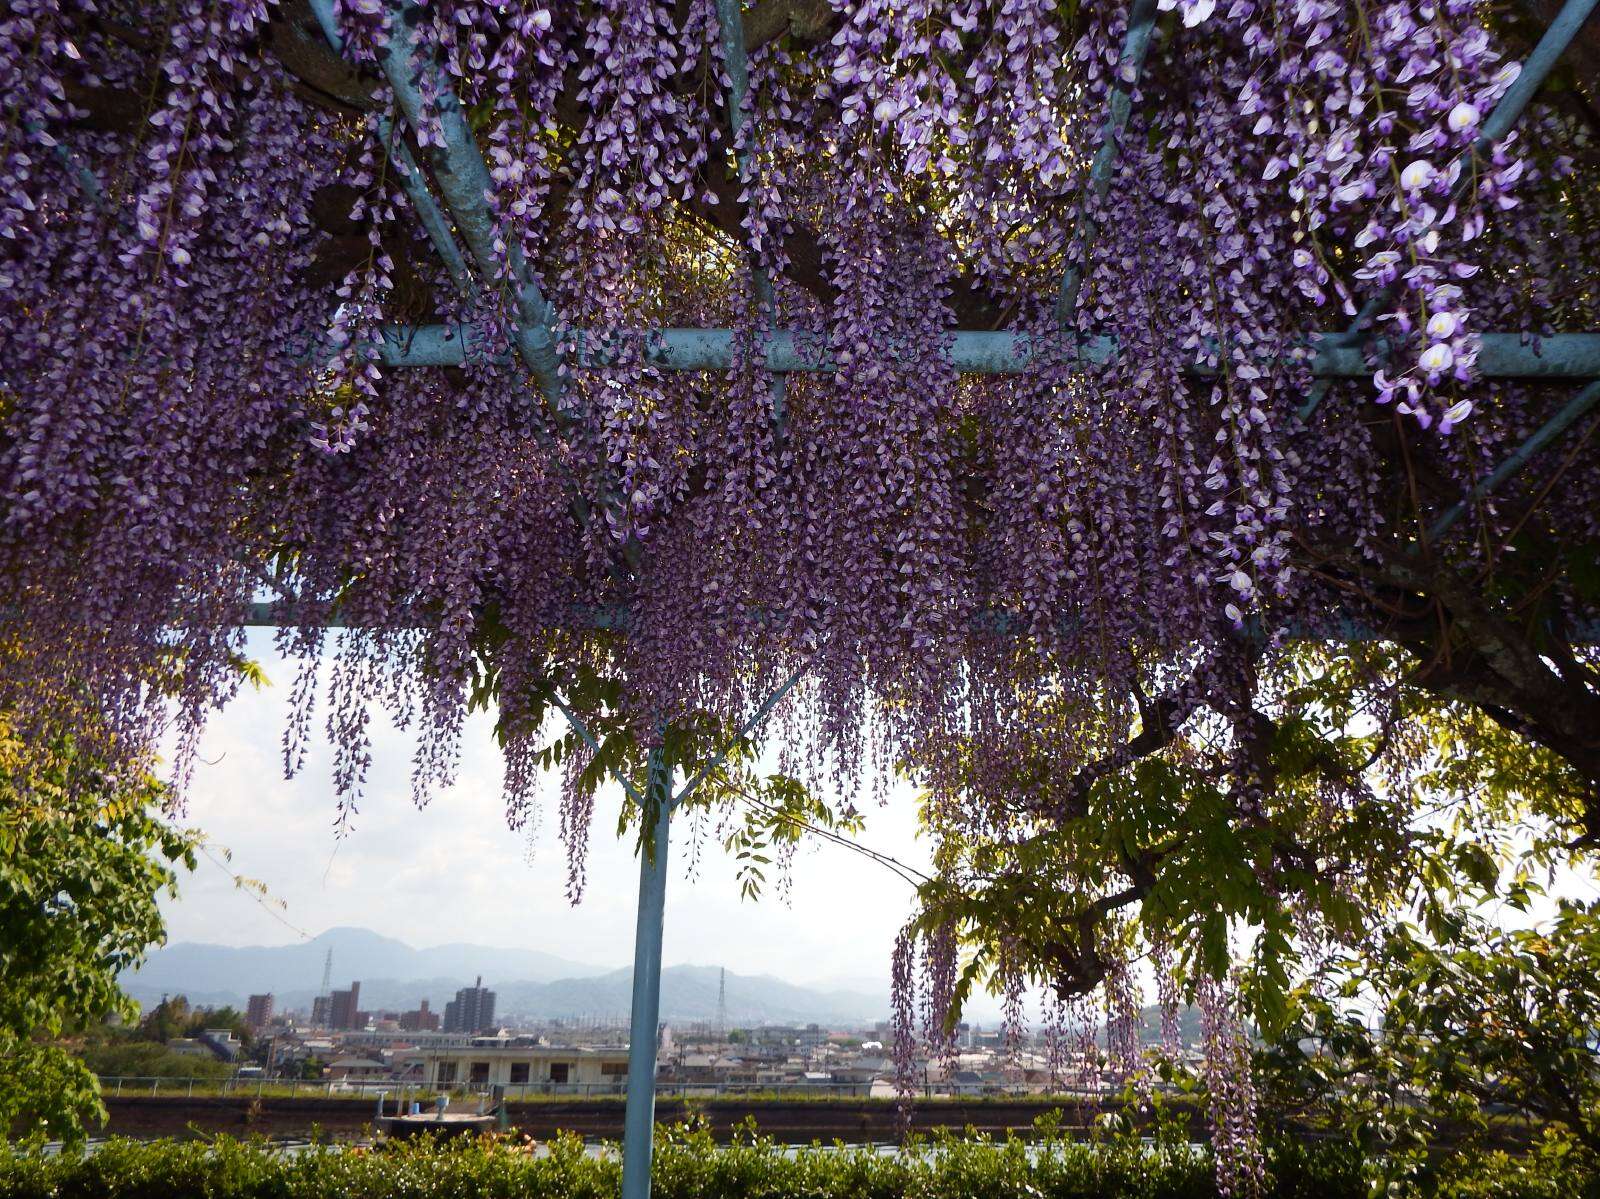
[1241, 1165]
[1379, 146]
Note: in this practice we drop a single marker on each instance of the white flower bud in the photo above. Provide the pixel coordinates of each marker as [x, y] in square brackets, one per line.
[1417, 175]
[1443, 325]
[1462, 116]
[1436, 358]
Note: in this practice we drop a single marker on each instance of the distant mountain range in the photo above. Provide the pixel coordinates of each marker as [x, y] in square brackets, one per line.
[394, 976]
[690, 993]
[358, 953]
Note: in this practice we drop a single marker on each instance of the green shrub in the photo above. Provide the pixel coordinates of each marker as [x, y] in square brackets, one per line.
[691, 1165]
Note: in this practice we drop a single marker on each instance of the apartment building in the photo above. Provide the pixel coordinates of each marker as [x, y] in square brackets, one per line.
[522, 1062]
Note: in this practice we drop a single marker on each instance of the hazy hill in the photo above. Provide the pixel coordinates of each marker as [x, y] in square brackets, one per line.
[358, 953]
[1189, 1031]
[393, 975]
[690, 993]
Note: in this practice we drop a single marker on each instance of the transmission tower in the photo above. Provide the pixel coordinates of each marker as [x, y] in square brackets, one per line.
[327, 972]
[722, 1004]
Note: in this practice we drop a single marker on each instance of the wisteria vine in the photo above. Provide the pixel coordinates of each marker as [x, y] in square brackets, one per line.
[209, 235]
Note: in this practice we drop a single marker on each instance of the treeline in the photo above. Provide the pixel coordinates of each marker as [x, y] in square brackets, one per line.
[142, 1050]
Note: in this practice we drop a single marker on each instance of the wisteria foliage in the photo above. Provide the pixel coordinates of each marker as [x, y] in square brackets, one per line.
[205, 227]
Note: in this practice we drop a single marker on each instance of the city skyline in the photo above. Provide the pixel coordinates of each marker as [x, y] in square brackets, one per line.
[223, 976]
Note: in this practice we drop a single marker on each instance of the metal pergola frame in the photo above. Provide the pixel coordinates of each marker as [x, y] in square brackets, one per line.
[463, 180]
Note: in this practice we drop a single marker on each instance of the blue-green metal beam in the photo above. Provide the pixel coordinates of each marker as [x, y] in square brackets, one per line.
[730, 24]
[1135, 45]
[411, 177]
[1575, 409]
[588, 738]
[1536, 69]
[82, 177]
[290, 614]
[995, 622]
[745, 730]
[1502, 356]
[981, 352]
[426, 207]
[464, 181]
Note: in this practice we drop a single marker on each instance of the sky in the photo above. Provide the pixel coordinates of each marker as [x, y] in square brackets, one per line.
[453, 871]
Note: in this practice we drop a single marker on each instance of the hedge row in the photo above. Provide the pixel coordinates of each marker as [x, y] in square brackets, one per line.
[689, 1165]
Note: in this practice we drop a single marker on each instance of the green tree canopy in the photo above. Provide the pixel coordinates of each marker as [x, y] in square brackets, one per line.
[1478, 1035]
[84, 856]
[1335, 799]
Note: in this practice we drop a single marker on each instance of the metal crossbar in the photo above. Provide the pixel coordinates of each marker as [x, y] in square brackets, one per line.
[978, 352]
[588, 738]
[748, 727]
[1535, 70]
[426, 207]
[464, 180]
[1130, 63]
[82, 177]
[1574, 411]
[730, 24]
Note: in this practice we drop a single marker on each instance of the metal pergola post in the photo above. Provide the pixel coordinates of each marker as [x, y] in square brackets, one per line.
[656, 804]
[644, 1021]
